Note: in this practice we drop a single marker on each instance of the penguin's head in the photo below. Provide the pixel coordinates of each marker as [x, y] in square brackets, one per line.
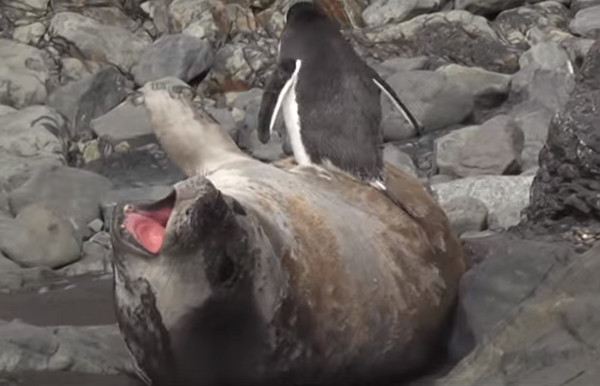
[303, 10]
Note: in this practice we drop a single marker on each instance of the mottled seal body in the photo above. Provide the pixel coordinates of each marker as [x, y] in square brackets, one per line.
[270, 275]
[329, 97]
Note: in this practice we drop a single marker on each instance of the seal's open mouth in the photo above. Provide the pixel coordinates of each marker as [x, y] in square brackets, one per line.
[146, 223]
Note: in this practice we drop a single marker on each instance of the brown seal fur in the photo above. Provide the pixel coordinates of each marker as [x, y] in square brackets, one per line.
[320, 280]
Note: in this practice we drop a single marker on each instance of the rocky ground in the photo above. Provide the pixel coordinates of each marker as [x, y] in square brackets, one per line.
[508, 92]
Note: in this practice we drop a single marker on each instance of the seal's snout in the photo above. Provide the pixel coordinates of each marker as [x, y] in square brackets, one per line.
[143, 226]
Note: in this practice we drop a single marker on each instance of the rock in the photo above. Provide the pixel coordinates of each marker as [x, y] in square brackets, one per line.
[127, 122]
[534, 124]
[551, 338]
[504, 196]
[566, 188]
[474, 42]
[577, 5]
[29, 34]
[393, 65]
[546, 78]
[435, 100]
[74, 69]
[6, 110]
[95, 257]
[88, 349]
[238, 66]
[586, 22]
[519, 25]
[204, 28]
[447, 149]
[89, 98]
[39, 238]
[487, 7]
[73, 194]
[399, 159]
[183, 13]
[96, 225]
[488, 88]
[145, 165]
[115, 17]
[466, 214]
[97, 41]
[180, 55]
[7, 264]
[24, 71]
[247, 138]
[387, 11]
[493, 148]
[26, 142]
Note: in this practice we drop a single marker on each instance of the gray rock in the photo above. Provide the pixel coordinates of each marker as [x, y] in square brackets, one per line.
[488, 88]
[534, 125]
[74, 69]
[179, 55]
[387, 11]
[447, 149]
[474, 42]
[87, 349]
[126, 122]
[82, 101]
[552, 338]
[95, 257]
[435, 100]
[566, 186]
[97, 41]
[466, 214]
[587, 22]
[500, 278]
[504, 196]
[577, 5]
[399, 159]
[247, 136]
[6, 110]
[30, 33]
[238, 66]
[183, 13]
[7, 264]
[225, 118]
[24, 71]
[73, 194]
[493, 148]
[487, 7]
[205, 28]
[27, 143]
[39, 238]
[393, 65]
[521, 25]
[96, 225]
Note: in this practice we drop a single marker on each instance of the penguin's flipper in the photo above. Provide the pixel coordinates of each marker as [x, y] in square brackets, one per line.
[393, 97]
[278, 85]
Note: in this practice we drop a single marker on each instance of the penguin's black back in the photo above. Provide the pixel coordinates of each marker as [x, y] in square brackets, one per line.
[338, 102]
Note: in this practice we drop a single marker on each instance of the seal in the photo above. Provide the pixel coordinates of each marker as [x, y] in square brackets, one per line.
[329, 97]
[252, 273]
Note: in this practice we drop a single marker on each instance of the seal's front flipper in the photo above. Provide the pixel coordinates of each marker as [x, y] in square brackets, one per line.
[277, 87]
[393, 97]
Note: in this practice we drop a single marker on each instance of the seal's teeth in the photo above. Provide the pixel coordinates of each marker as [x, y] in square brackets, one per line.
[128, 208]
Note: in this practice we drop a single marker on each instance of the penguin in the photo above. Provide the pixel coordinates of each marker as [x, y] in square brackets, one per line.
[329, 98]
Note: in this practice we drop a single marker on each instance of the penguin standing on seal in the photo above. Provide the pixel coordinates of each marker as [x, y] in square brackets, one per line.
[330, 98]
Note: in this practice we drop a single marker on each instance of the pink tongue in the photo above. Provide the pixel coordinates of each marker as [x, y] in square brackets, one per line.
[147, 232]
